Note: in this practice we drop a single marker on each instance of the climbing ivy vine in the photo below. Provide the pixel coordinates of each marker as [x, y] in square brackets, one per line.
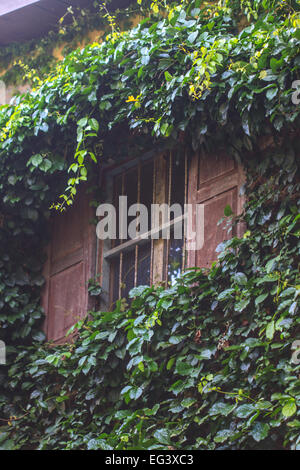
[206, 363]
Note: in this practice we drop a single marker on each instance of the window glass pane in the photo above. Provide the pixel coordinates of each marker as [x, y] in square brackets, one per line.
[177, 196]
[175, 187]
[144, 261]
[178, 180]
[175, 259]
[118, 181]
[146, 192]
[128, 266]
[131, 189]
[115, 266]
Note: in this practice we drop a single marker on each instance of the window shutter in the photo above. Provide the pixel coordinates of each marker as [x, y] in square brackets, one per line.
[68, 268]
[214, 181]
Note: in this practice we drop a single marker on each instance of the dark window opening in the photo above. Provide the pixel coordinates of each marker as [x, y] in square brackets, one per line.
[133, 261]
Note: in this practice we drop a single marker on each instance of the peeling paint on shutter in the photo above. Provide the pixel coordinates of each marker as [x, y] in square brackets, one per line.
[214, 181]
[69, 267]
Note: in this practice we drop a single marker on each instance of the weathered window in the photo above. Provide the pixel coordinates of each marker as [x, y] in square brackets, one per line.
[146, 260]
[74, 257]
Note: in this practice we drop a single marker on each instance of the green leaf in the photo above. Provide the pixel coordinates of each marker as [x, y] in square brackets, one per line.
[176, 339]
[162, 436]
[177, 387]
[260, 431]
[82, 122]
[228, 211]
[245, 410]
[94, 124]
[270, 330]
[260, 298]
[221, 408]
[170, 363]
[187, 402]
[168, 76]
[205, 354]
[240, 278]
[8, 445]
[183, 368]
[193, 36]
[271, 93]
[227, 293]
[36, 160]
[241, 305]
[271, 264]
[223, 435]
[45, 165]
[289, 409]
[12, 179]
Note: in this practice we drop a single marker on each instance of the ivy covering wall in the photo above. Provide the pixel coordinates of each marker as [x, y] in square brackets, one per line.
[206, 363]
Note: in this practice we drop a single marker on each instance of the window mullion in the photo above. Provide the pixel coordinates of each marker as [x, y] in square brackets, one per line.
[121, 253]
[137, 247]
[152, 241]
[169, 203]
[185, 202]
[160, 198]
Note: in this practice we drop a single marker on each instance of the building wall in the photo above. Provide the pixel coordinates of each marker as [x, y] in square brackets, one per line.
[212, 181]
[7, 90]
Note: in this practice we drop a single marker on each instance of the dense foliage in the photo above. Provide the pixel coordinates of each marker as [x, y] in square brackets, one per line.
[206, 363]
[189, 74]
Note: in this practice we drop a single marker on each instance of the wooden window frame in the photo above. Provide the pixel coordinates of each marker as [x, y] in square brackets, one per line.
[193, 194]
[159, 258]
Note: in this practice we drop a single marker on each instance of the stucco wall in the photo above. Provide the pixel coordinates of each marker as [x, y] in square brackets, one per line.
[7, 91]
